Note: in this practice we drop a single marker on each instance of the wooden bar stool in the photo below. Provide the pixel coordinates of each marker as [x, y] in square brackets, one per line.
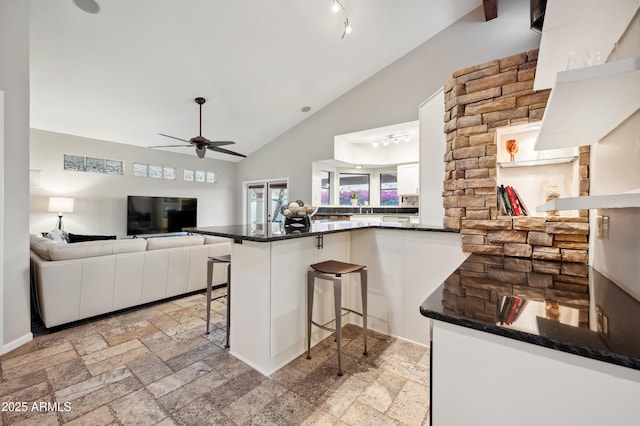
[224, 259]
[332, 270]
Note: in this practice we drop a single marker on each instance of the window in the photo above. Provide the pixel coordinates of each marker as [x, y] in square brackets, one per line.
[389, 189]
[325, 187]
[354, 183]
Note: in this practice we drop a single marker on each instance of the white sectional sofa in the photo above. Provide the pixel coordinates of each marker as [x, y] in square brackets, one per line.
[81, 280]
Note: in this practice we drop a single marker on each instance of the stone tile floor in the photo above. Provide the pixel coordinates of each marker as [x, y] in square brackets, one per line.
[156, 366]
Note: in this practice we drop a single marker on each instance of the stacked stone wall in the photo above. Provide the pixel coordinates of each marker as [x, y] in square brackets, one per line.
[478, 100]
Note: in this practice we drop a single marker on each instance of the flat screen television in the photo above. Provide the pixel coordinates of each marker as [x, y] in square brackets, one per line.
[159, 215]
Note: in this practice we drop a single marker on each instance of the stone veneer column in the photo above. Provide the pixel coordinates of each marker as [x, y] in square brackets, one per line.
[478, 100]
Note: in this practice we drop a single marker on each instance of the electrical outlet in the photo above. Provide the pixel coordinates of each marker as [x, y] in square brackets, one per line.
[602, 321]
[602, 226]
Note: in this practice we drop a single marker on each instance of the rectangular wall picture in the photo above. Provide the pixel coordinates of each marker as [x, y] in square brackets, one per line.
[114, 167]
[95, 165]
[74, 163]
[140, 170]
[169, 173]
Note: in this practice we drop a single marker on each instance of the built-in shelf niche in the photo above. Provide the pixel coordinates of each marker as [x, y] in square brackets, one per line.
[531, 172]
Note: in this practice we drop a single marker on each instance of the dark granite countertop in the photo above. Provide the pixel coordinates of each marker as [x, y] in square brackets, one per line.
[569, 307]
[319, 227]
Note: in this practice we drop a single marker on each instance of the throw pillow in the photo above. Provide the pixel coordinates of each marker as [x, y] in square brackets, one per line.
[59, 236]
[76, 238]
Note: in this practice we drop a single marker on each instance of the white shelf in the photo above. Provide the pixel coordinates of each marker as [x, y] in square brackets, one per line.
[540, 162]
[610, 201]
[587, 103]
[578, 26]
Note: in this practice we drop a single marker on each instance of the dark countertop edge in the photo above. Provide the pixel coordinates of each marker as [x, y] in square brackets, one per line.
[364, 214]
[260, 239]
[605, 356]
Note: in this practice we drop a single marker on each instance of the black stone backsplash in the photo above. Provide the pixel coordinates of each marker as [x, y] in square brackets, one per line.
[366, 210]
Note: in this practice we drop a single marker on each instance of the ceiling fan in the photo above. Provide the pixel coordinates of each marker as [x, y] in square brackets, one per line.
[200, 142]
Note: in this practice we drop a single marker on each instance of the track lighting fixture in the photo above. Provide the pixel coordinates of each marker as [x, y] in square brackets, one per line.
[336, 7]
[392, 138]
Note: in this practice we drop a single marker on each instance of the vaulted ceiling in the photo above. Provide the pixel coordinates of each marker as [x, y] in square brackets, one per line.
[132, 70]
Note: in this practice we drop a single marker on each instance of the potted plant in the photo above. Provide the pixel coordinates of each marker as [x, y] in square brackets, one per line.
[354, 199]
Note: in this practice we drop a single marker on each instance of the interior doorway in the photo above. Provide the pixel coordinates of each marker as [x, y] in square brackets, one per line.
[263, 201]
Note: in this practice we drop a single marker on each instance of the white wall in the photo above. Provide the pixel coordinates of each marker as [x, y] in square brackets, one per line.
[392, 95]
[432, 149]
[100, 199]
[15, 323]
[614, 169]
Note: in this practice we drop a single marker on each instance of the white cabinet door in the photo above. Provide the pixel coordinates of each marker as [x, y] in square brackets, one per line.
[408, 179]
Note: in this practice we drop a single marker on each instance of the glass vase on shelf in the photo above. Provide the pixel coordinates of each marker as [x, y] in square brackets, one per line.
[552, 193]
[511, 147]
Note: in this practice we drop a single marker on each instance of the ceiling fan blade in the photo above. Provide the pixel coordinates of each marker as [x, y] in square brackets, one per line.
[170, 146]
[226, 151]
[173, 137]
[220, 143]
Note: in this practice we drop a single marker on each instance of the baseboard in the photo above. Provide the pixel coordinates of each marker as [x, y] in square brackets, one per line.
[16, 343]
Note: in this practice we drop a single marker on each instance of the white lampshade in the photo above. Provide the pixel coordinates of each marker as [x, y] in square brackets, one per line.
[61, 204]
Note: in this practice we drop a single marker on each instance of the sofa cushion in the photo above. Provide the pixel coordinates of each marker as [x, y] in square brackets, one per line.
[41, 245]
[211, 239]
[76, 238]
[96, 248]
[158, 243]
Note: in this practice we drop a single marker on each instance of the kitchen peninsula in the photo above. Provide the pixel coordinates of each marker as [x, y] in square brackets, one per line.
[406, 262]
[555, 340]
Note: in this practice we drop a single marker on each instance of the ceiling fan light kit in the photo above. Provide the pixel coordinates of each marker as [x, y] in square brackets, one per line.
[201, 143]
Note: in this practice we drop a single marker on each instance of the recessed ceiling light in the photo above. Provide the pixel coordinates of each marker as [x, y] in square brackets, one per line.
[89, 6]
[305, 109]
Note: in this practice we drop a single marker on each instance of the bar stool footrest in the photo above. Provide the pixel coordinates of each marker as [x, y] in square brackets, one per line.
[324, 326]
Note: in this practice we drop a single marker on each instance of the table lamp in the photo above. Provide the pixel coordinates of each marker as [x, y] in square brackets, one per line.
[60, 205]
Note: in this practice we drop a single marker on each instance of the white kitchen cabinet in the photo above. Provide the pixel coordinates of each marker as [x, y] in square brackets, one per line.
[409, 179]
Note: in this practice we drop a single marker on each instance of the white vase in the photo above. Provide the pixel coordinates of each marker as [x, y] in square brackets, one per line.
[354, 202]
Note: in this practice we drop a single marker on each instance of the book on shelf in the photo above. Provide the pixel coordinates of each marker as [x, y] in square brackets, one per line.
[506, 308]
[523, 303]
[515, 308]
[511, 310]
[509, 202]
[523, 207]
